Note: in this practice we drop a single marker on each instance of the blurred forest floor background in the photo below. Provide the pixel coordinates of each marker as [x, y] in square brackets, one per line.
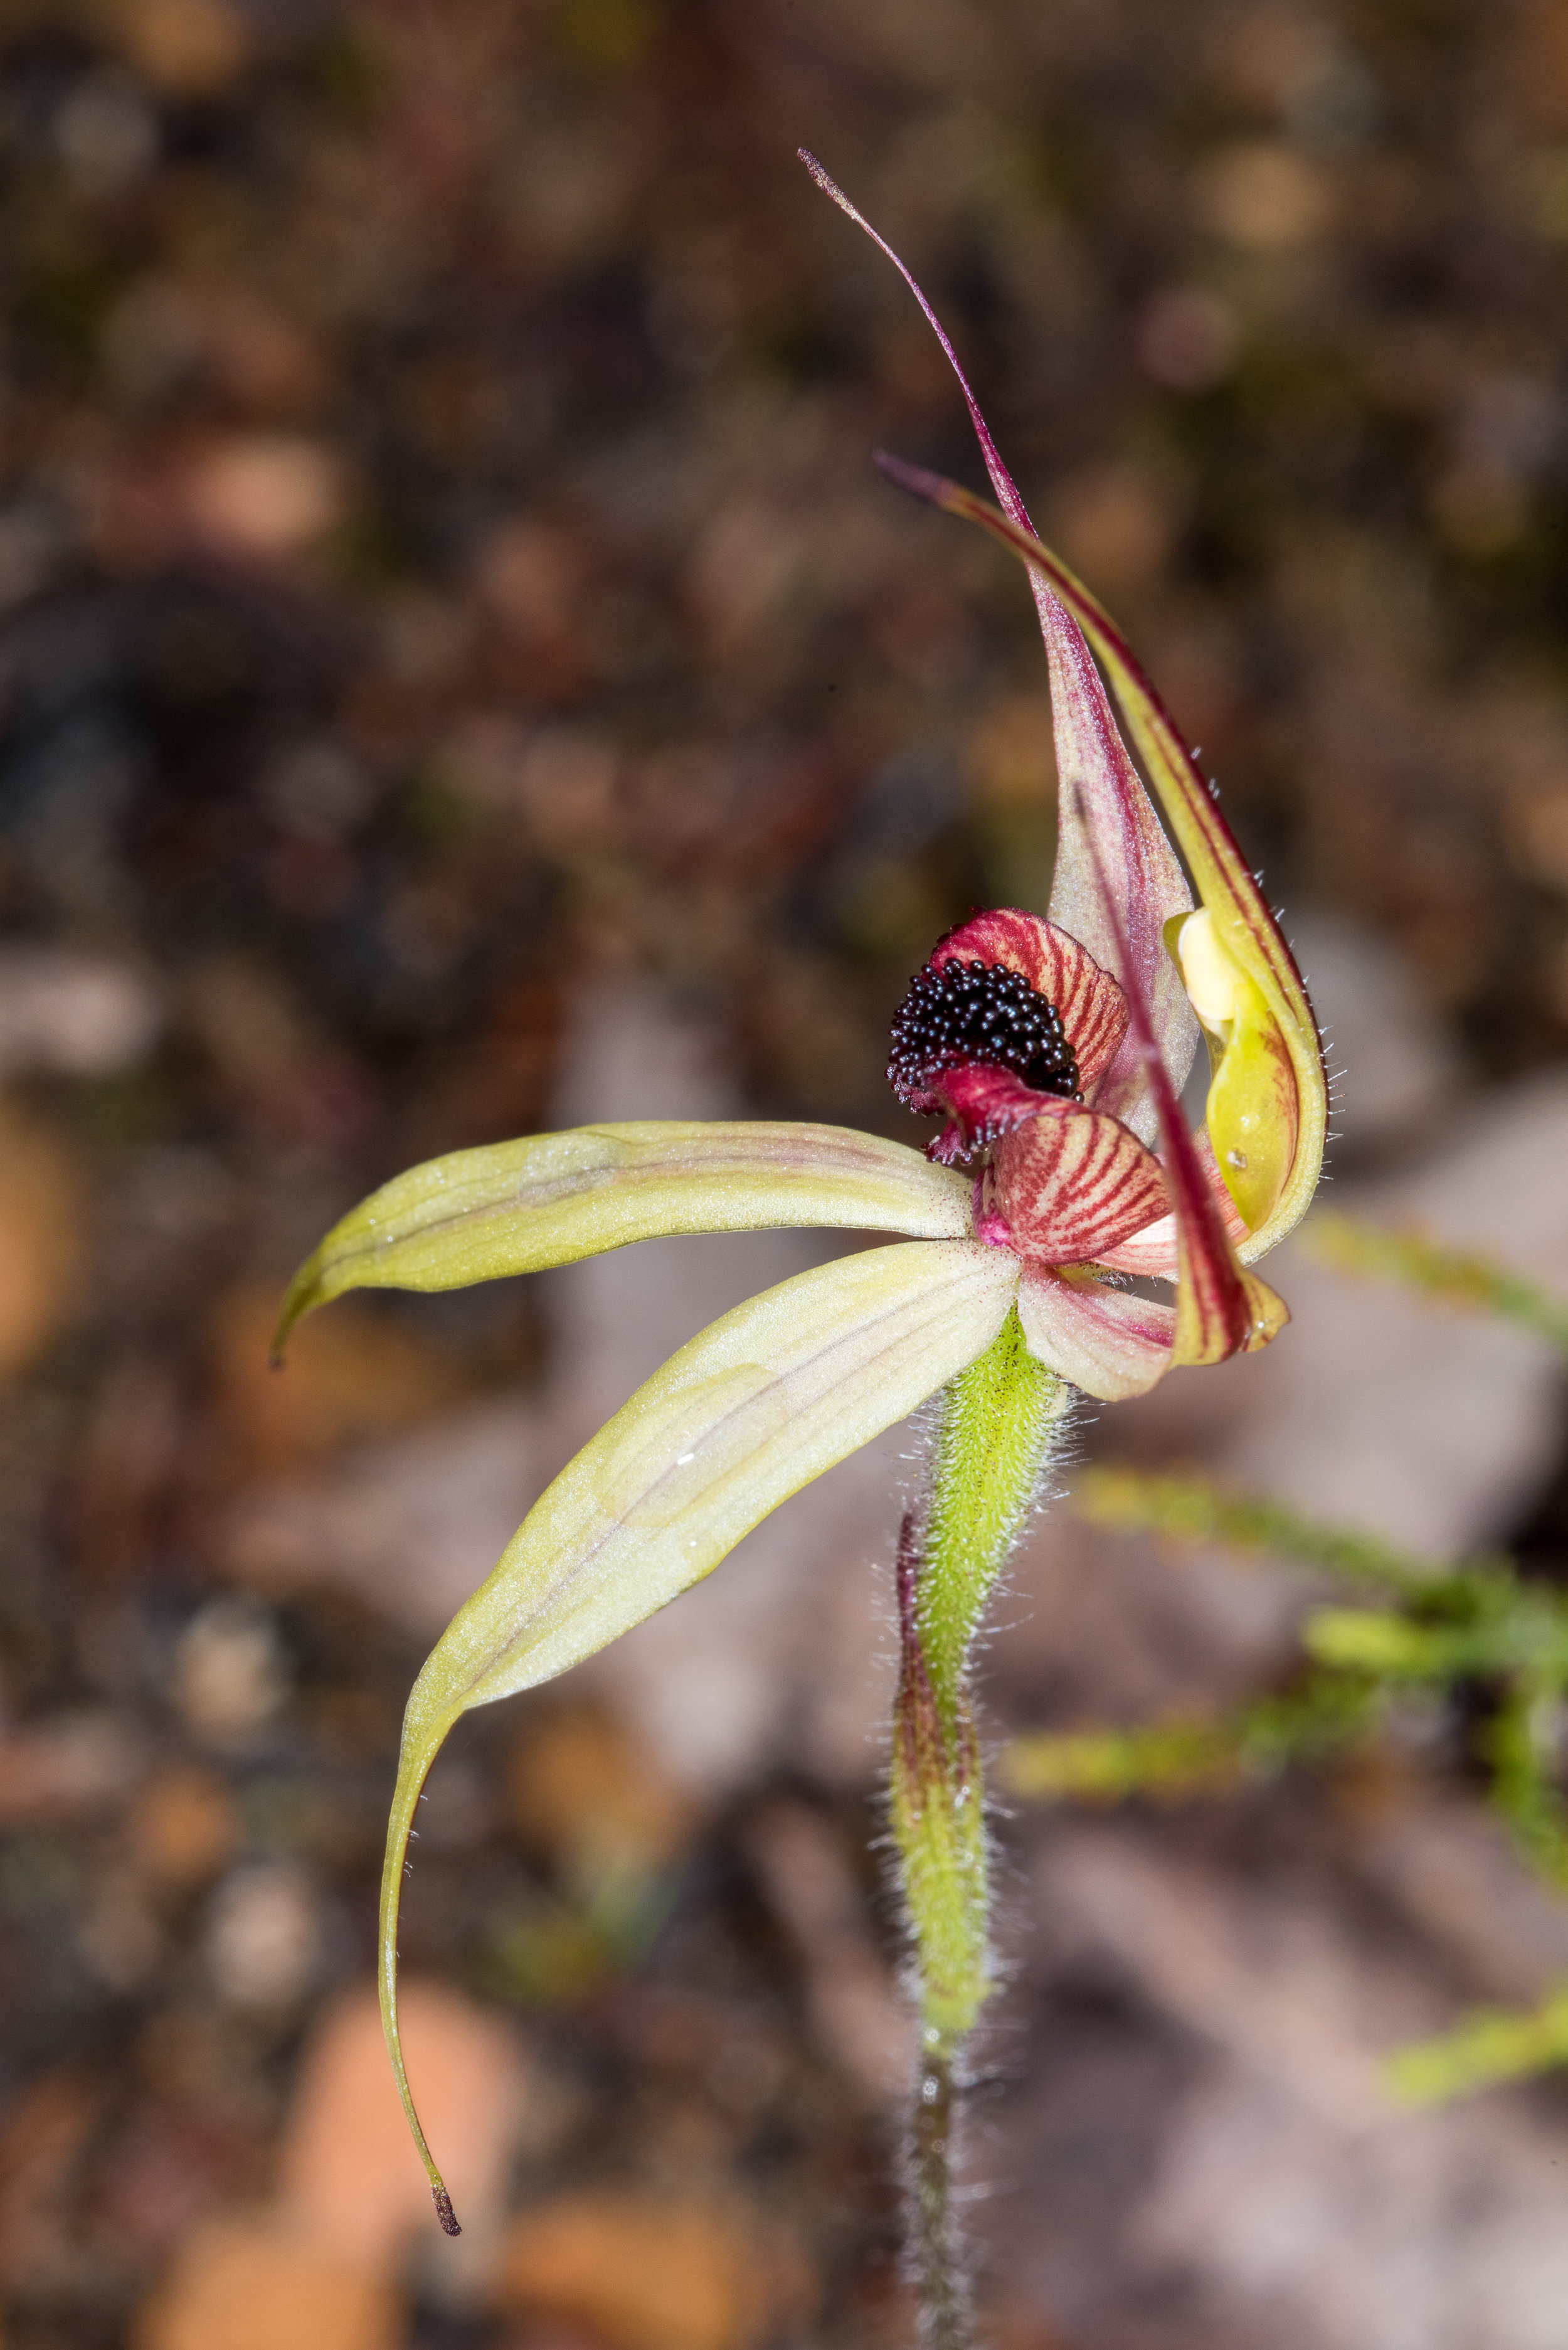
[459, 675]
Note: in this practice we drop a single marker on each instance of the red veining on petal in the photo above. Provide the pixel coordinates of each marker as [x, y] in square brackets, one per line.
[1154, 1251]
[1110, 1342]
[1219, 1308]
[1092, 1008]
[1070, 1186]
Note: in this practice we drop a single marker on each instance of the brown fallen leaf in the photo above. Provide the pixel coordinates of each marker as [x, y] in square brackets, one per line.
[41, 1237]
[639, 2273]
[256, 2283]
[190, 47]
[582, 1787]
[347, 1375]
[182, 1827]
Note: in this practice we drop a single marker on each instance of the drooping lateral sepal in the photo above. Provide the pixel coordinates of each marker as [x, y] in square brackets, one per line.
[756, 1407]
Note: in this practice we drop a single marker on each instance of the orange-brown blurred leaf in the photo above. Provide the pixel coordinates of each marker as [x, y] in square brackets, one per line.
[639, 2273]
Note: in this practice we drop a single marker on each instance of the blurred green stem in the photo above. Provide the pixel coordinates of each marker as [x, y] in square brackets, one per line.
[1453, 1276]
[994, 1436]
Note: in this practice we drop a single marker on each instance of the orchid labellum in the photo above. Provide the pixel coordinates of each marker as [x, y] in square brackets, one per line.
[1053, 1051]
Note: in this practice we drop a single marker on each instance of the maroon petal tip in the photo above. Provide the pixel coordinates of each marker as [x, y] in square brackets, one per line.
[918, 480]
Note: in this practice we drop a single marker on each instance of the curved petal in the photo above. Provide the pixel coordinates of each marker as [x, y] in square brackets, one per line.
[1092, 1008]
[1100, 798]
[1154, 1252]
[1226, 884]
[985, 1102]
[1253, 1107]
[516, 1207]
[1110, 1342]
[752, 1410]
[1070, 1185]
[1243, 917]
[1096, 777]
[1221, 1309]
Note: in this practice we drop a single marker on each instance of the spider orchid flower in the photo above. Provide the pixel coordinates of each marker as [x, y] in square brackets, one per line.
[1055, 1052]
[1268, 1102]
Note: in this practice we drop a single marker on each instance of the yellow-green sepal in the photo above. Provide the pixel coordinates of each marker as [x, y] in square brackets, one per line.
[1253, 1112]
[1245, 926]
[1228, 890]
[756, 1407]
[550, 1199]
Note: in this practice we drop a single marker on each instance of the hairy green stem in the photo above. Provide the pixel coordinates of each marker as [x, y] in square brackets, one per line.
[994, 1435]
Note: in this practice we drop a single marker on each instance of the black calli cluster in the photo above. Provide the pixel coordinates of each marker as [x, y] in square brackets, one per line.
[960, 1012]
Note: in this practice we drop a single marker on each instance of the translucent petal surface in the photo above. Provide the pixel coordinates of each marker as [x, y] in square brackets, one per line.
[1253, 1110]
[1099, 792]
[752, 1410]
[1109, 1342]
[516, 1207]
